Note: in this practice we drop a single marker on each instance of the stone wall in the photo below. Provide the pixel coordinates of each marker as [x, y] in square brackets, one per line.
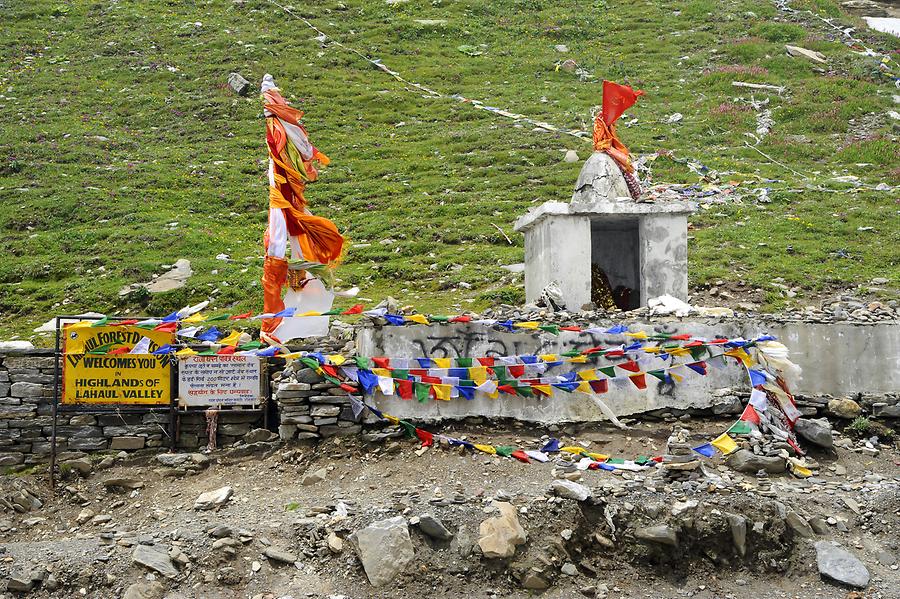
[26, 422]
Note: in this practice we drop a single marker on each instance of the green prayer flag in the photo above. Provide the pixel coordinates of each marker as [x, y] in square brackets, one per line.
[615, 461]
[398, 373]
[740, 428]
[464, 362]
[408, 428]
[550, 328]
[422, 391]
[504, 450]
[641, 460]
[609, 371]
[102, 349]
[438, 318]
[209, 352]
[697, 351]
[501, 373]
[310, 363]
[218, 318]
[571, 353]
[100, 323]
[660, 374]
[251, 345]
[363, 362]
[332, 312]
[524, 390]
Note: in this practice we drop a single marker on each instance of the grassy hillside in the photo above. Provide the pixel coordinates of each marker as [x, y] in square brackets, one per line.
[122, 149]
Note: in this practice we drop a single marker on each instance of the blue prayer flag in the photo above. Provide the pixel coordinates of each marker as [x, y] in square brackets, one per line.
[756, 377]
[552, 446]
[706, 449]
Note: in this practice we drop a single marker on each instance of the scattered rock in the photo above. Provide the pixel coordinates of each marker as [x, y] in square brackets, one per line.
[844, 408]
[155, 558]
[571, 156]
[335, 543]
[84, 516]
[661, 534]
[213, 499]
[836, 563]
[173, 279]
[123, 483]
[26, 580]
[570, 490]
[258, 435]
[804, 53]
[145, 590]
[816, 431]
[534, 581]
[311, 478]
[799, 524]
[280, 555]
[238, 84]
[744, 460]
[499, 536]
[82, 466]
[384, 548]
[738, 526]
[434, 528]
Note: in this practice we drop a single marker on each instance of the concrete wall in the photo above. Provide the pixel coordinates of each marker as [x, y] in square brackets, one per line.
[569, 262]
[837, 359]
[663, 256]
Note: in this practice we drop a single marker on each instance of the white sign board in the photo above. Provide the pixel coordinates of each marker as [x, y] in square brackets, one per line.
[226, 380]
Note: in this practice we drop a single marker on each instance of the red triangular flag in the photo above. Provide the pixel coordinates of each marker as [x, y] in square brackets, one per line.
[600, 385]
[486, 361]
[516, 370]
[461, 319]
[166, 327]
[506, 389]
[573, 329]
[117, 351]
[617, 99]
[357, 309]
[750, 415]
[349, 388]
[630, 366]
[228, 349]
[639, 380]
[382, 362]
[521, 456]
[404, 388]
[243, 316]
[425, 437]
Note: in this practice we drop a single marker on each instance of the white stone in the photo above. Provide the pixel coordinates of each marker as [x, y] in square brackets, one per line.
[499, 536]
[384, 548]
[213, 499]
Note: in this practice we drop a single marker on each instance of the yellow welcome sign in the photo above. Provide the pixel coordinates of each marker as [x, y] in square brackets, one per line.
[122, 378]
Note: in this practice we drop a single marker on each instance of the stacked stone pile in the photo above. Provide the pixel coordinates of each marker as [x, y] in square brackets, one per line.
[680, 463]
[312, 408]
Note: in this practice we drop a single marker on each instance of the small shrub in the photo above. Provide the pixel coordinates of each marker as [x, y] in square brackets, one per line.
[859, 427]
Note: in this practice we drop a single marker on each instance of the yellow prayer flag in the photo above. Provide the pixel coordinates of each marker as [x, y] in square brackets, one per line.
[391, 419]
[233, 339]
[382, 372]
[652, 350]
[545, 389]
[548, 357]
[185, 353]
[194, 319]
[310, 313]
[527, 325]
[486, 448]
[598, 456]
[584, 387]
[800, 471]
[677, 351]
[588, 375]
[419, 318]
[724, 443]
[638, 335]
[573, 449]
[442, 392]
[577, 359]
[337, 359]
[442, 362]
[741, 354]
[478, 374]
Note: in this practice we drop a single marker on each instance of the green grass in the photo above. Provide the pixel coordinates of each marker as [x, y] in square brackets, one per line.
[116, 122]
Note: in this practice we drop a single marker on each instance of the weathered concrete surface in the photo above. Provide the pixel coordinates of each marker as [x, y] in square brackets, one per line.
[837, 359]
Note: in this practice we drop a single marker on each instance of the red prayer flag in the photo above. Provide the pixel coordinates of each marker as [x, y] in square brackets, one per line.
[682, 337]
[599, 386]
[425, 437]
[404, 388]
[228, 349]
[516, 370]
[521, 456]
[750, 415]
[461, 319]
[124, 323]
[434, 380]
[382, 362]
[349, 388]
[330, 369]
[573, 329]
[166, 327]
[616, 353]
[357, 309]
[506, 389]
[243, 316]
[630, 366]
[639, 380]
[617, 98]
[486, 361]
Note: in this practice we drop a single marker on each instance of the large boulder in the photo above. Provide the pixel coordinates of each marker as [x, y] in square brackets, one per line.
[384, 548]
[499, 536]
[844, 408]
[213, 499]
[570, 490]
[744, 460]
[836, 563]
[816, 431]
